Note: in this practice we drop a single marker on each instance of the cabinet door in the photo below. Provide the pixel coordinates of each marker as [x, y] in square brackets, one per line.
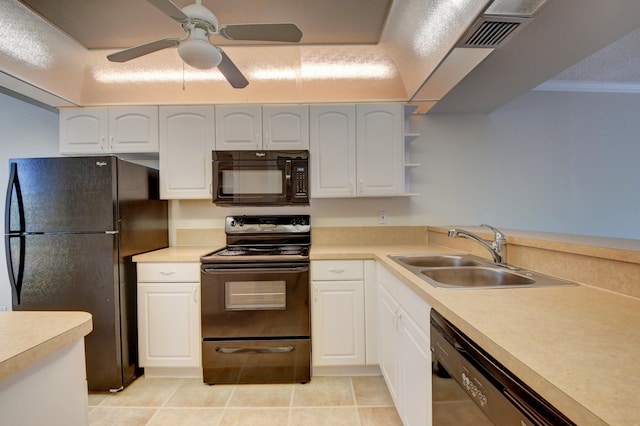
[380, 150]
[133, 129]
[389, 339]
[186, 141]
[333, 151]
[337, 318]
[84, 130]
[415, 373]
[169, 324]
[238, 128]
[285, 127]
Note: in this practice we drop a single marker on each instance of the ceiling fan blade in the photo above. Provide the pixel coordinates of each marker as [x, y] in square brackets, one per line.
[262, 32]
[231, 72]
[170, 9]
[142, 49]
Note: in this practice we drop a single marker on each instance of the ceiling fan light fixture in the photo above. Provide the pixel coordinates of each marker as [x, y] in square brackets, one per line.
[199, 53]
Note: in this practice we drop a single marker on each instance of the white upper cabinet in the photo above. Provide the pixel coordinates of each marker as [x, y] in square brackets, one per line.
[380, 149]
[253, 127]
[357, 150]
[109, 130]
[187, 137]
[333, 150]
[238, 128]
[285, 127]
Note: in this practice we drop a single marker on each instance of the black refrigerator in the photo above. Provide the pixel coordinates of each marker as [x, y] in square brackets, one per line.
[72, 225]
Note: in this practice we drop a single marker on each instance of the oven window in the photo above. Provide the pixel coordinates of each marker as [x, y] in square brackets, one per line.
[255, 295]
[248, 181]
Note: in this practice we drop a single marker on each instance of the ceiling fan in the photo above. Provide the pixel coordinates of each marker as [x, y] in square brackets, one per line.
[199, 23]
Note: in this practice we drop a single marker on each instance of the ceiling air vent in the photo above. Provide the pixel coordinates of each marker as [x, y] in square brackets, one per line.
[492, 31]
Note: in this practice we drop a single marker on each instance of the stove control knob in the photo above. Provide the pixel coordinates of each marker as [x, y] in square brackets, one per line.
[298, 221]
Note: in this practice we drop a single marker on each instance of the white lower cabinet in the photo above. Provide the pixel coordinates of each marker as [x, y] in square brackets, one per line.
[169, 316]
[337, 313]
[389, 339]
[404, 349]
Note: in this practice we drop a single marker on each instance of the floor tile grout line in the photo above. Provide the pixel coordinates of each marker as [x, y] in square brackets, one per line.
[355, 401]
[157, 409]
[227, 402]
[291, 398]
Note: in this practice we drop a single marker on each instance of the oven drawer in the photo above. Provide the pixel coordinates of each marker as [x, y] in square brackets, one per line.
[337, 270]
[168, 272]
[256, 361]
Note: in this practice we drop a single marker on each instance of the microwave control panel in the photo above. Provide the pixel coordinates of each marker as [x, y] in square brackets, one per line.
[300, 181]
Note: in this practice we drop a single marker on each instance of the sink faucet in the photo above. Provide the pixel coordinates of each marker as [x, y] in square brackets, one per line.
[496, 247]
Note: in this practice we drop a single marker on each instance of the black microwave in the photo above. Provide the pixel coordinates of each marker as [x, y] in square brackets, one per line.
[253, 178]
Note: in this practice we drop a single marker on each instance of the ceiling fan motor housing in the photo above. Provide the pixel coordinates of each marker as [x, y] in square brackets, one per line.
[200, 17]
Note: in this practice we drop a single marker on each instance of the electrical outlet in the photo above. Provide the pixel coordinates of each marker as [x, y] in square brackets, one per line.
[382, 216]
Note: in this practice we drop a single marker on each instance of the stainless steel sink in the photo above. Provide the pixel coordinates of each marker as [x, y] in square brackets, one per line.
[465, 271]
[476, 277]
[436, 261]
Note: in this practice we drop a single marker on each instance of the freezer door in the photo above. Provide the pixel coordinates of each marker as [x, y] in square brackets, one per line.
[79, 272]
[65, 194]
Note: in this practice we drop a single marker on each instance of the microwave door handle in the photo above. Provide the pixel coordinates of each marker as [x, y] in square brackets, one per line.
[287, 176]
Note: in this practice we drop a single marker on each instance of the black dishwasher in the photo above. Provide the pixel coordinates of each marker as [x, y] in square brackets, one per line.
[503, 398]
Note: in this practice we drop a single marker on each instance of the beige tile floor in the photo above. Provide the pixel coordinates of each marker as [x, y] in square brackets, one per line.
[356, 400]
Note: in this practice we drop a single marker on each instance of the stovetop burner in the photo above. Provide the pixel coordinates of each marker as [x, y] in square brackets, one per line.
[264, 239]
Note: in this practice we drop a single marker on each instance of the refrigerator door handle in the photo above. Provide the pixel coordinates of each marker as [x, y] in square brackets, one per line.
[14, 183]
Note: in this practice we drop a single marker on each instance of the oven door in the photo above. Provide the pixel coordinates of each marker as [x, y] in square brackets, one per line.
[257, 301]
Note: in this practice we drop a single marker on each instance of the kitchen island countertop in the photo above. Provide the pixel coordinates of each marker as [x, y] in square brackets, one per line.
[29, 336]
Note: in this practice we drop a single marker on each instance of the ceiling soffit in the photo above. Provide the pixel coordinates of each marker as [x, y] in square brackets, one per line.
[117, 24]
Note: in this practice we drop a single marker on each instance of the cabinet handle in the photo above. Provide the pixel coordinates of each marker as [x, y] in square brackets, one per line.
[397, 317]
[167, 272]
[195, 294]
[337, 270]
[360, 185]
[315, 293]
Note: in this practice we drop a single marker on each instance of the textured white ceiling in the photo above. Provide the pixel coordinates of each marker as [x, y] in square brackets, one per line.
[618, 62]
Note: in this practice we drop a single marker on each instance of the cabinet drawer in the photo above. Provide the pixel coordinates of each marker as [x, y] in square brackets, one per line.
[169, 272]
[331, 270]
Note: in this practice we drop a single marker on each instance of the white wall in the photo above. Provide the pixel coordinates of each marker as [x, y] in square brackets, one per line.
[25, 131]
[548, 161]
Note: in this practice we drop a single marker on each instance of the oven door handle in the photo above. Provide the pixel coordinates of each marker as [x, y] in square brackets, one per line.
[245, 268]
[255, 349]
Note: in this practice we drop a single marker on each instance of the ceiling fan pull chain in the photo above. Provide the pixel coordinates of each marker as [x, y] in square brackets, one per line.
[183, 85]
